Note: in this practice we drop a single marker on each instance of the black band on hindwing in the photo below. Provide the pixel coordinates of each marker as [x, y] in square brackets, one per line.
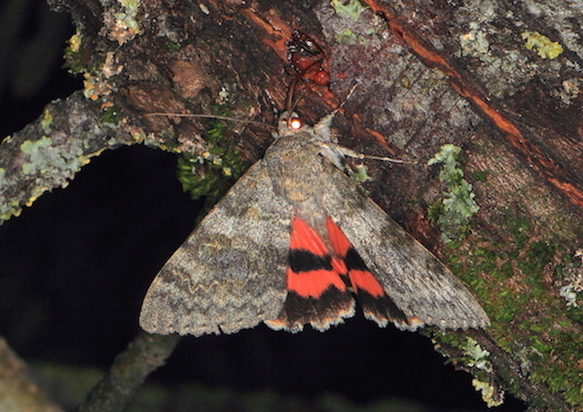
[304, 261]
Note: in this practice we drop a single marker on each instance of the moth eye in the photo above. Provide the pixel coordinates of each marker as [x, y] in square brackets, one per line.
[295, 123]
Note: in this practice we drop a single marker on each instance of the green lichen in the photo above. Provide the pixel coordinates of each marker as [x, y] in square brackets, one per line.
[454, 210]
[130, 5]
[361, 174]
[480, 175]
[351, 9]
[129, 16]
[346, 36]
[212, 173]
[172, 46]
[545, 47]
[112, 115]
[129, 21]
[73, 57]
[47, 120]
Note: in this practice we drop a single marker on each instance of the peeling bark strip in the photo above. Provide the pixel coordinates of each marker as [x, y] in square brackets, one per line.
[509, 126]
[277, 33]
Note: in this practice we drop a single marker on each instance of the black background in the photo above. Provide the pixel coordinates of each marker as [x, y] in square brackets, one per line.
[75, 266]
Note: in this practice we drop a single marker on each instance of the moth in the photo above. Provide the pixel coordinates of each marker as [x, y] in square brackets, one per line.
[294, 242]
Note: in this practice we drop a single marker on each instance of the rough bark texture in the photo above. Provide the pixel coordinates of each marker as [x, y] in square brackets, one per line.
[129, 370]
[500, 79]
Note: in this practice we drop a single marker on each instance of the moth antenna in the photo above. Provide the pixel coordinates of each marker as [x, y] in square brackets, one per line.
[348, 96]
[351, 153]
[212, 116]
[388, 159]
[289, 103]
[356, 155]
[294, 104]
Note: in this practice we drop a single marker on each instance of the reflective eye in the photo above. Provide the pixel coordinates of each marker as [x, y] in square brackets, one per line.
[295, 123]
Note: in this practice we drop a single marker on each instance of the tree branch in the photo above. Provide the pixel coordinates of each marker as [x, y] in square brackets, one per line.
[129, 370]
[18, 392]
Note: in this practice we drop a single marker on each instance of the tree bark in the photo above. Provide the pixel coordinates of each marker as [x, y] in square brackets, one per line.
[499, 79]
[131, 367]
[18, 391]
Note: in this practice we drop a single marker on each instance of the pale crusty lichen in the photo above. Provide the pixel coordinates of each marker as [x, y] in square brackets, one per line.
[110, 67]
[50, 162]
[95, 87]
[122, 26]
[573, 274]
[488, 393]
[477, 357]
[475, 43]
[35, 151]
[8, 207]
[48, 159]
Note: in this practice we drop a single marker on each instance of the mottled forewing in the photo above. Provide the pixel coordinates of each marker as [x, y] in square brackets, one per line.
[419, 284]
[230, 273]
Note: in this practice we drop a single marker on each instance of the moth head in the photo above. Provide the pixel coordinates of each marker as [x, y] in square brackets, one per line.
[289, 123]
